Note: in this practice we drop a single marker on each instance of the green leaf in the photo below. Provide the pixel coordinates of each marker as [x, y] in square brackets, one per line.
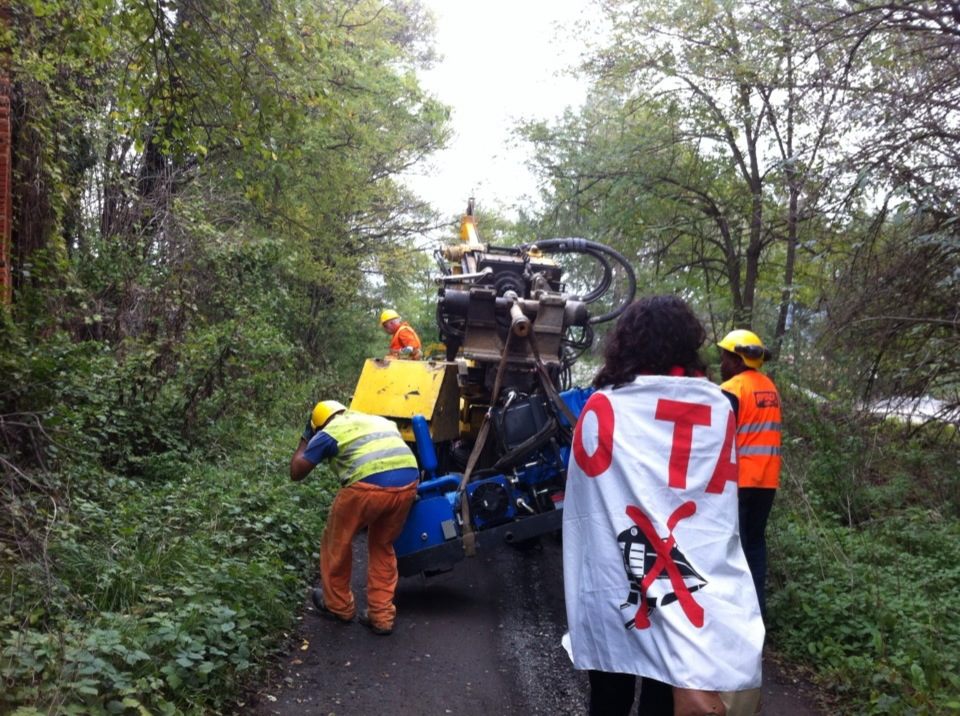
[206, 667]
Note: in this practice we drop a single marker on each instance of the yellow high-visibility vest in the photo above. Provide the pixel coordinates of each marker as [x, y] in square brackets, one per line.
[367, 444]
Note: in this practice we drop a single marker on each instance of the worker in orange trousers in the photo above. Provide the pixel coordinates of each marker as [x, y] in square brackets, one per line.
[378, 476]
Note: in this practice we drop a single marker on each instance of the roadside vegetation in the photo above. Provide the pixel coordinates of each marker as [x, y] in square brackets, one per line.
[793, 167]
[863, 560]
[208, 217]
[201, 192]
[164, 593]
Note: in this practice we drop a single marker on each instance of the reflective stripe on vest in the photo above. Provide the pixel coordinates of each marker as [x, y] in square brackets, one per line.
[758, 450]
[758, 428]
[367, 444]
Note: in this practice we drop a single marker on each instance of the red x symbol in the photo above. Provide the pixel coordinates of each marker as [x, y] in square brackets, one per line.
[663, 562]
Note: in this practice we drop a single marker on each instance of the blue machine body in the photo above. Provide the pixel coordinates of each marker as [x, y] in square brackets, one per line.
[425, 527]
[428, 455]
[517, 505]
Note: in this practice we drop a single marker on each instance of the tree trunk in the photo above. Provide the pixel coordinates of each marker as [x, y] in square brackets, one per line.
[786, 297]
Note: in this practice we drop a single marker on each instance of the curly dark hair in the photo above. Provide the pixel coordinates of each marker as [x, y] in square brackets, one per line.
[654, 334]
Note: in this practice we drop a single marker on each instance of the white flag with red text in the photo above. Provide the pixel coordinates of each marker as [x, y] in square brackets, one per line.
[655, 579]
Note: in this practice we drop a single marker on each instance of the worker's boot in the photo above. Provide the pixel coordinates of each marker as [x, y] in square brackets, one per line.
[316, 596]
[364, 619]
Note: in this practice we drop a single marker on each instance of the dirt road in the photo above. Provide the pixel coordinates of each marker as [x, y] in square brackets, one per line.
[482, 639]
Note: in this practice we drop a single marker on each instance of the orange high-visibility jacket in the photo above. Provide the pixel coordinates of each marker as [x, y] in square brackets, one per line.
[405, 336]
[758, 428]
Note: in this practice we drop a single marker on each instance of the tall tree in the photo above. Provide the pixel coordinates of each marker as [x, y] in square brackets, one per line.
[201, 186]
[741, 107]
[908, 102]
[898, 315]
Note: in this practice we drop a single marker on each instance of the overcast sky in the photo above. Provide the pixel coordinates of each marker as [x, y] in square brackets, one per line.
[500, 62]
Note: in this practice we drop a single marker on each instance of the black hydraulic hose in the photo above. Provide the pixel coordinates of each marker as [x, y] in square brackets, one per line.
[604, 285]
[596, 292]
[582, 343]
[592, 248]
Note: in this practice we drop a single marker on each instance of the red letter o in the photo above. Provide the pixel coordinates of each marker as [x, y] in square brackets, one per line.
[597, 463]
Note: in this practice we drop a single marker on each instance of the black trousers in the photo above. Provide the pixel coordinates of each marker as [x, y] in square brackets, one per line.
[755, 505]
[613, 695]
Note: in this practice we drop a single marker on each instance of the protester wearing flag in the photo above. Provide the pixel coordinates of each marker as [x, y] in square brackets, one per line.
[655, 579]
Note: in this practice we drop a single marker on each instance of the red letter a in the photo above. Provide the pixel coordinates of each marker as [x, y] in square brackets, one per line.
[725, 471]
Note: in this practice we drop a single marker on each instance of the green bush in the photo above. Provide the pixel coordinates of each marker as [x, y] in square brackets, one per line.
[856, 467]
[863, 569]
[872, 609]
[162, 595]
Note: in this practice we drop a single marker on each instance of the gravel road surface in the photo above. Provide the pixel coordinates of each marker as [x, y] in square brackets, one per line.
[483, 639]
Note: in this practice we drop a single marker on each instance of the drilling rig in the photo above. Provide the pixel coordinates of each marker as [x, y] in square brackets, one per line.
[492, 423]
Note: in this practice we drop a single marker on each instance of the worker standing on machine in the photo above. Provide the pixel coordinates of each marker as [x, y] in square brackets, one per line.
[378, 483]
[757, 405]
[405, 342]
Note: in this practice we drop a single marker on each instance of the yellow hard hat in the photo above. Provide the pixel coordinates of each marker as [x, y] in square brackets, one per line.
[323, 411]
[747, 345]
[388, 315]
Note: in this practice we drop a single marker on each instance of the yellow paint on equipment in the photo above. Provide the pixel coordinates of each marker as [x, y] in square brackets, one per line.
[400, 389]
[468, 230]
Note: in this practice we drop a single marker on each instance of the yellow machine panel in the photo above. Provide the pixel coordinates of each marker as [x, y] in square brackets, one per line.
[400, 389]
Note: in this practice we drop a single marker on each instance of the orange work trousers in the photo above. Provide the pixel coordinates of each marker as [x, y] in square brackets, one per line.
[382, 510]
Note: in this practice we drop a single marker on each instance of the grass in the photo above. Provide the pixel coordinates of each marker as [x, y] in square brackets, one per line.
[162, 594]
[865, 581]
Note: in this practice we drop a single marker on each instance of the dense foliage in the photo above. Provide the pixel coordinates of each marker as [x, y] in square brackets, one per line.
[864, 573]
[208, 217]
[162, 594]
[201, 191]
[792, 167]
